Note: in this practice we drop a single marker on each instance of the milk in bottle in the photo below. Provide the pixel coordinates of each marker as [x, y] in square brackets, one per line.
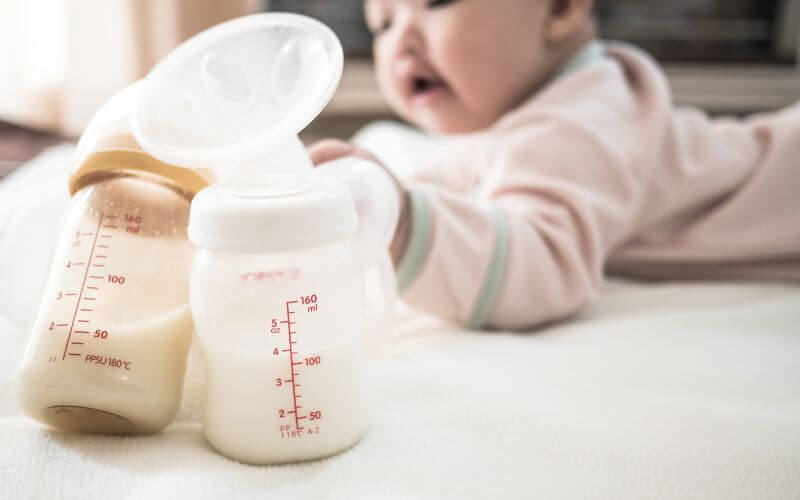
[108, 346]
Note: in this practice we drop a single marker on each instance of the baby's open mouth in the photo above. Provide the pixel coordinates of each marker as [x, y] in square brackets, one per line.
[422, 87]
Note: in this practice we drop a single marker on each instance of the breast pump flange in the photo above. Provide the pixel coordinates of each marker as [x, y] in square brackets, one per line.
[276, 237]
[231, 101]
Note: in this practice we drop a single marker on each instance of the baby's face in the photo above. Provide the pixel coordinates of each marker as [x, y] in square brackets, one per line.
[456, 66]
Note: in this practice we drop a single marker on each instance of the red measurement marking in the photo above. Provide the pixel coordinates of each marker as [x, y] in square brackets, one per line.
[81, 331]
[87, 310]
[289, 324]
[93, 288]
[70, 294]
[99, 256]
[78, 263]
[83, 321]
[98, 265]
[77, 343]
[97, 277]
[110, 226]
[73, 354]
[89, 298]
[85, 274]
[63, 324]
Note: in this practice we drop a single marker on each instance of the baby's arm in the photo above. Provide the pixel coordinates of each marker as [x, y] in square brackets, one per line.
[533, 248]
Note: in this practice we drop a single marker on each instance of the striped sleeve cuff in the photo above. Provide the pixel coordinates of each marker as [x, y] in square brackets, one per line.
[494, 274]
[418, 241]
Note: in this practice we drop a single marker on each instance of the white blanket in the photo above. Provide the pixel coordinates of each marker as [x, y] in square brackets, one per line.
[655, 391]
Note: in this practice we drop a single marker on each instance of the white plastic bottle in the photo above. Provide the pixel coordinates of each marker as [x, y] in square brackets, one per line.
[277, 299]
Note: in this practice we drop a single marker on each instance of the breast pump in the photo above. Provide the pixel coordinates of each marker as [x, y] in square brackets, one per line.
[291, 264]
[277, 286]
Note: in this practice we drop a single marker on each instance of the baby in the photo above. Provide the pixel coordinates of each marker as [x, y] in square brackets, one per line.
[571, 161]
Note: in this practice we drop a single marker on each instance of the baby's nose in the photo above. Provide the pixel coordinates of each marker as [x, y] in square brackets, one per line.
[404, 64]
[410, 37]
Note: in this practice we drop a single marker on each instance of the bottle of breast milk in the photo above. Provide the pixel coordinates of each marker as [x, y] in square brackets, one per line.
[277, 297]
[108, 346]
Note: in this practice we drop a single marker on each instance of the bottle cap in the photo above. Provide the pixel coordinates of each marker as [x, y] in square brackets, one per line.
[284, 214]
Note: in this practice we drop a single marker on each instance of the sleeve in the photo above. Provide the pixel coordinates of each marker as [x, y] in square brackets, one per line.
[532, 249]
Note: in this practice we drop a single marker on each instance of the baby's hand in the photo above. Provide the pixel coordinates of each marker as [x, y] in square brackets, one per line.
[332, 149]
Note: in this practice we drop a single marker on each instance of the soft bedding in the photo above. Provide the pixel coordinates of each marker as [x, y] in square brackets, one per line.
[657, 390]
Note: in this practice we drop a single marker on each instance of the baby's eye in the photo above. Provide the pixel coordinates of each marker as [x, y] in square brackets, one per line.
[434, 4]
[382, 27]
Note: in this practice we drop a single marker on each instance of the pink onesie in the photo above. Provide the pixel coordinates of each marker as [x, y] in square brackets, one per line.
[597, 172]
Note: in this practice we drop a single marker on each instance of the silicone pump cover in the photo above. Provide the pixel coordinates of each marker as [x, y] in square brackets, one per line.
[238, 90]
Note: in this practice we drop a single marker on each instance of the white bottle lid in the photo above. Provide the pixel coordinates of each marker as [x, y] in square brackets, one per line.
[237, 90]
[284, 214]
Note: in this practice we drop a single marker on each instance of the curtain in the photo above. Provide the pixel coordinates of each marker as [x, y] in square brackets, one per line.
[62, 59]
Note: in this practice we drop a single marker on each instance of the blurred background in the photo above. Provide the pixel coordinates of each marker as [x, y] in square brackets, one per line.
[61, 59]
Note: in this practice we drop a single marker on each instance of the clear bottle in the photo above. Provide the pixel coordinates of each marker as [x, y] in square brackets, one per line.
[108, 346]
[277, 299]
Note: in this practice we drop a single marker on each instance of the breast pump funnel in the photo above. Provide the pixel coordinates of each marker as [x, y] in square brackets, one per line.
[234, 97]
